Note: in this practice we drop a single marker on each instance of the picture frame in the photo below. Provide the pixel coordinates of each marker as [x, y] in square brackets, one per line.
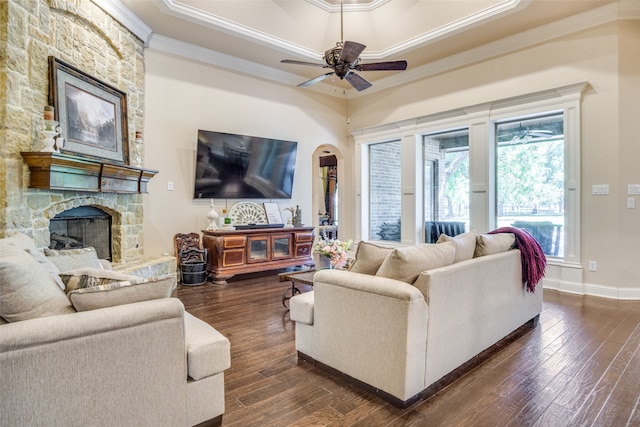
[92, 114]
[272, 210]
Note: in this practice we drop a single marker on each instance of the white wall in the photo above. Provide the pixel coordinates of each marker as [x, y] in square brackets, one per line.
[183, 96]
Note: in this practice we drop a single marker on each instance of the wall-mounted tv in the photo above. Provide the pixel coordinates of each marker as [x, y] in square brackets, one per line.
[230, 166]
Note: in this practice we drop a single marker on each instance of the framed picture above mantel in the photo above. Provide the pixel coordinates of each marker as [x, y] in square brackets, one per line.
[92, 113]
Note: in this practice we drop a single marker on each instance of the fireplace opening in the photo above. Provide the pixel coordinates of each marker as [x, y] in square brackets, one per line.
[82, 227]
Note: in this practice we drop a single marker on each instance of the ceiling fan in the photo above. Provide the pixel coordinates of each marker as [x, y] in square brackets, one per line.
[344, 59]
[522, 134]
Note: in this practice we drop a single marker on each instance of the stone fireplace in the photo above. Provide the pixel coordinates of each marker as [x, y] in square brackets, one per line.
[82, 34]
[123, 210]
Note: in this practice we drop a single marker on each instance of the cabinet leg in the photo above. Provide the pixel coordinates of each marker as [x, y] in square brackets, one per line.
[221, 279]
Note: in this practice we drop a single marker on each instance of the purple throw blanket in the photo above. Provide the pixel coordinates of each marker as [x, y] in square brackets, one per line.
[534, 262]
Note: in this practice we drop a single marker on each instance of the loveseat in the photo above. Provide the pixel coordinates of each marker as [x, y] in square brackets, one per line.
[404, 322]
[110, 349]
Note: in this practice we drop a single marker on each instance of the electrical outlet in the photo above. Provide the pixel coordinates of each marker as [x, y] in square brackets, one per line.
[170, 185]
[593, 266]
[631, 203]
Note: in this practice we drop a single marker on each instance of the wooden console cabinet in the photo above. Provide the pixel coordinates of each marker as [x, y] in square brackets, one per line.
[246, 251]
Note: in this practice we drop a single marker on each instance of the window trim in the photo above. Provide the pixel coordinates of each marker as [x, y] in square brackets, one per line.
[480, 119]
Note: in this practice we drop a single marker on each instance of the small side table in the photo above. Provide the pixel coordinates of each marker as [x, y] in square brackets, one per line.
[304, 277]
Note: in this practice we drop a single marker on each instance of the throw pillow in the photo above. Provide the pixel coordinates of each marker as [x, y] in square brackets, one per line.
[88, 277]
[69, 259]
[119, 293]
[24, 242]
[465, 244]
[27, 291]
[489, 244]
[408, 262]
[48, 265]
[369, 258]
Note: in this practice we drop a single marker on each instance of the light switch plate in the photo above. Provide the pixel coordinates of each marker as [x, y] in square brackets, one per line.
[633, 189]
[600, 189]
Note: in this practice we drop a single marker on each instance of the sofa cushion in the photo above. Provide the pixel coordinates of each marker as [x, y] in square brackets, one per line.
[70, 259]
[369, 258]
[27, 290]
[489, 244]
[208, 351]
[406, 263]
[119, 293]
[465, 244]
[88, 277]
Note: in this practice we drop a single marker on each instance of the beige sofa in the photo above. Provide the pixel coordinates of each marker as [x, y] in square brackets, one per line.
[404, 337]
[123, 353]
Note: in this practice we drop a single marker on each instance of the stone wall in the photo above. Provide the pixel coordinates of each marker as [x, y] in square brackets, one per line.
[81, 34]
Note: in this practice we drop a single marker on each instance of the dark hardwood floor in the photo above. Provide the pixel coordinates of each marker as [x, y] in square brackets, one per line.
[579, 367]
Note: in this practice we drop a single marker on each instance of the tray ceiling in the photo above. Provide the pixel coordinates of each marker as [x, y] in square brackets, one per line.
[254, 35]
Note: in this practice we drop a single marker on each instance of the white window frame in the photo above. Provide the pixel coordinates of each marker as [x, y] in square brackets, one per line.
[480, 120]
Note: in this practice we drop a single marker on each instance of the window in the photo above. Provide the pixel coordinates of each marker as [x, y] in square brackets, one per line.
[530, 178]
[446, 178]
[385, 191]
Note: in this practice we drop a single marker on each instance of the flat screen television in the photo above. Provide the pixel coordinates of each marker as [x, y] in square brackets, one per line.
[230, 166]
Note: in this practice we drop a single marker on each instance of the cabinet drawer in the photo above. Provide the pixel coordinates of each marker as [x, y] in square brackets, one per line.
[304, 237]
[233, 257]
[303, 250]
[234, 242]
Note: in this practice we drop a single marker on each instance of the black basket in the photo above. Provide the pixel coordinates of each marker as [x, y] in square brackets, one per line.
[193, 273]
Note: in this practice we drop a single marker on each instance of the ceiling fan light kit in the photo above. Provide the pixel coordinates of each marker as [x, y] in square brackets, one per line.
[344, 59]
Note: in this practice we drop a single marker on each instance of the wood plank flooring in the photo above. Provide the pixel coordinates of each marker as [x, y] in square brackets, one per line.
[579, 367]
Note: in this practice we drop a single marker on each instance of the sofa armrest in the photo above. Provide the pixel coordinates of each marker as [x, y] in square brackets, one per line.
[381, 286]
[103, 367]
[371, 328]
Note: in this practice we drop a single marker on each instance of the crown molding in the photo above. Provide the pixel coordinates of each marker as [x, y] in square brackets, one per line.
[526, 39]
[123, 15]
[349, 7]
[626, 9]
[228, 62]
[452, 28]
[177, 9]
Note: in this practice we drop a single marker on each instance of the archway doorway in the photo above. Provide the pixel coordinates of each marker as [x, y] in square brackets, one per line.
[326, 197]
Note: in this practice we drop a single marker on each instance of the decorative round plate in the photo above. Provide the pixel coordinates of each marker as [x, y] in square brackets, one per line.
[244, 213]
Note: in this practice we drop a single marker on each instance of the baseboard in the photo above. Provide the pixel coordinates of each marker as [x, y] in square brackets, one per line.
[438, 385]
[592, 289]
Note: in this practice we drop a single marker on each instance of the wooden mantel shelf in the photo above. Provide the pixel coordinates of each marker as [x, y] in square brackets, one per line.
[59, 171]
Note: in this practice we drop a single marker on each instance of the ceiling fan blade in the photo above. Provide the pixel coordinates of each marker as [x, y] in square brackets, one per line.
[358, 83]
[351, 51]
[315, 80]
[291, 61]
[375, 66]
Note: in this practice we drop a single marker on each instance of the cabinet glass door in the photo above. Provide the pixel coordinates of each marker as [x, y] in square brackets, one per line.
[281, 247]
[258, 249]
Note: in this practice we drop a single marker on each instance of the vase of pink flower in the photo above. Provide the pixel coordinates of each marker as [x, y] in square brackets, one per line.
[336, 250]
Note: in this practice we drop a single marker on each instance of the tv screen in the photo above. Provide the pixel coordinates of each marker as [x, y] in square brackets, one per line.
[230, 166]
